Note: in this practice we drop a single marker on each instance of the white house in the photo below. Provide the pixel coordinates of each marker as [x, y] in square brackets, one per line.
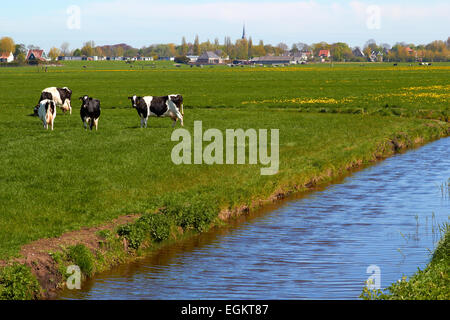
[6, 57]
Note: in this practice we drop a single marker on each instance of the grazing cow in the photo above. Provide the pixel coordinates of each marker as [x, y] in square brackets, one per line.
[90, 112]
[61, 97]
[167, 106]
[47, 112]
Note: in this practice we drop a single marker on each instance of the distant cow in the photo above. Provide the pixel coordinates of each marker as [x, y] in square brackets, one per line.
[47, 112]
[90, 112]
[167, 106]
[61, 97]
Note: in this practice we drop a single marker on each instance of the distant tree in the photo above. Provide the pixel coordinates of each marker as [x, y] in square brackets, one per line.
[54, 53]
[7, 45]
[259, 51]
[20, 49]
[448, 42]
[77, 53]
[242, 49]
[88, 49]
[196, 46]
[302, 46]
[118, 51]
[172, 50]
[184, 47]
[98, 52]
[250, 47]
[294, 49]
[283, 47]
[216, 44]
[65, 48]
[340, 51]
[20, 58]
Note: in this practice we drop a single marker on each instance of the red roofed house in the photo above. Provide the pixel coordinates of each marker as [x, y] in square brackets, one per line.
[36, 55]
[409, 50]
[324, 53]
[6, 57]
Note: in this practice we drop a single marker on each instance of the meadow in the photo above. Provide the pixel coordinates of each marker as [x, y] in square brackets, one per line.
[330, 118]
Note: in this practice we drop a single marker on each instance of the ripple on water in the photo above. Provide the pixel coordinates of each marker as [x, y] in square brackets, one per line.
[316, 247]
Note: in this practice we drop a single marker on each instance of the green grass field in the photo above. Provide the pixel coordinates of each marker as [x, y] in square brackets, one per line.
[328, 117]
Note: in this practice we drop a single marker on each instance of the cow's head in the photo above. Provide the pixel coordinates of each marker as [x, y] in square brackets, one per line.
[177, 99]
[134, 101]
[84, 101]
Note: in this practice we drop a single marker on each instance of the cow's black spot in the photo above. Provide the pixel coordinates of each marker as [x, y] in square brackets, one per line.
[159, 105]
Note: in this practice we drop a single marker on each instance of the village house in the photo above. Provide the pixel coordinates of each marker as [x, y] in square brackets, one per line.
[209, 57]
[357, 52]
[6, 57]
[302, 56]
[273, 60]
[193, 59]
[324, 54]
[376, 56]
[167, 58]
[69, 58]
[36, 56]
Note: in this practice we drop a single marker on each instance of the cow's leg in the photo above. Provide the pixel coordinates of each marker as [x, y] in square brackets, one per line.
[142, 122]
[179, 116]
[96, 124]
[146, 122]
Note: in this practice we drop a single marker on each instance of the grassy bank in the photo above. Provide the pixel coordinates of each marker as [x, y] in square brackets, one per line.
[52, 183]
[432, 283]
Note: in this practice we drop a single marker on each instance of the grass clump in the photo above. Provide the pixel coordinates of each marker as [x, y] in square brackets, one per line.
[196, 215]
[82, 257]
[432, 283]
[18, 283]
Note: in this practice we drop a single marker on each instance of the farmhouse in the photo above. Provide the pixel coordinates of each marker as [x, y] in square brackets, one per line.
[302, 56]
[209, 57]
[357, 52]
[167, 58]
[273, 60]
[324, 53]
[69, 58]
[36, 55]
[6, 57]
[193, 59]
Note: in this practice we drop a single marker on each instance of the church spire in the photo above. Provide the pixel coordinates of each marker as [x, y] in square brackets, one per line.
[244, 36]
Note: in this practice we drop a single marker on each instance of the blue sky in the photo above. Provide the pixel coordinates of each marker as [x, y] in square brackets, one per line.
[143, 22]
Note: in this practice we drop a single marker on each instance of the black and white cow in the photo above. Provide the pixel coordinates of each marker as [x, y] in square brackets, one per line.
[61, 97]
[47, 112]
[90, 112]
[167, 106]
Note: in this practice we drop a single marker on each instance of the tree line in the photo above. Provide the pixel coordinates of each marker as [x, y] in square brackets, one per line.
[244, 49]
